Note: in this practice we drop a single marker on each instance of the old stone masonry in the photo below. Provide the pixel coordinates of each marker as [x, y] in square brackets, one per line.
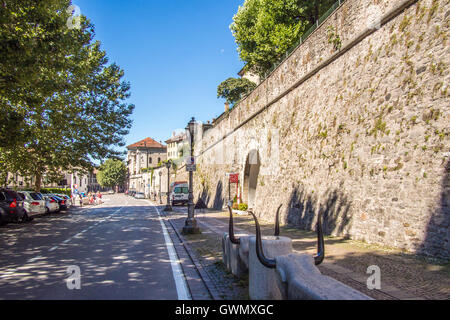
[359, 131]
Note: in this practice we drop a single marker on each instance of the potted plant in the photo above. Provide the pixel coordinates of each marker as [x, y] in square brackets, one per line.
[241, 208]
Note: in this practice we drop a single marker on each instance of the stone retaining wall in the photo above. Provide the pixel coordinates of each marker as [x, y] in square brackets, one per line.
[361, 133]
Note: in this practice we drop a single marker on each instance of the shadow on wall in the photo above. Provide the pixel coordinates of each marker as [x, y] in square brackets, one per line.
[335, 207]
[203, 199]
[218, 199]
[205, 196]
[437, 235]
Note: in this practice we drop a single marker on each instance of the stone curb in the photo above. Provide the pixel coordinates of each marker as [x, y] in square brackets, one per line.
[196, 284]
[192, 255]
[213, 292]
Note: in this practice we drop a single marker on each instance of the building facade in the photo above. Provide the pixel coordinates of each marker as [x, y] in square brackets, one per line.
[77, 182]
[142, 157]
[176, 146]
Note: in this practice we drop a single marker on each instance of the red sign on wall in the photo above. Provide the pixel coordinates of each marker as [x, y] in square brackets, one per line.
[234, 178]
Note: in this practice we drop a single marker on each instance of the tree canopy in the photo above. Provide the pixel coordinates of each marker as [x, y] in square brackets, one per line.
[68, 104]
[265, 29]
[233, 89]
[112, 173]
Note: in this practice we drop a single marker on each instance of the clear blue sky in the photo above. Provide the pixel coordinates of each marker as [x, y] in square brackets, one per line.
[174, 53]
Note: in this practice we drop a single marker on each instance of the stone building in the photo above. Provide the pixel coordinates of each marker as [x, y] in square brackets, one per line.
[142, 156]
[175, 145]
[249, 75]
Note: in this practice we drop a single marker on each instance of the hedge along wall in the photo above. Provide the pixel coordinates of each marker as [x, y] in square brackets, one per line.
[359, 133]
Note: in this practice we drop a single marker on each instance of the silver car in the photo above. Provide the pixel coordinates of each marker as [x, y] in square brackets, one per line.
[33, 202]
[52, 205]
[139, 195]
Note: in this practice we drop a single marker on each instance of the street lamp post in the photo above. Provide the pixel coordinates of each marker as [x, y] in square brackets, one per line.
[160, 175]
[190, 226]
[168, 206]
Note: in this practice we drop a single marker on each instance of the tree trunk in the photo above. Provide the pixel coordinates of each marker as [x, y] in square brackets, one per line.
[38, 182]
[316, 11]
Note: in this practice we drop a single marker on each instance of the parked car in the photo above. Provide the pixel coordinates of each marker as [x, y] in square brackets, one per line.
[33, 202]
[12, 207]
[61, 202]
[180, 194]
[139, 195]
[65, 196]
[51, 204]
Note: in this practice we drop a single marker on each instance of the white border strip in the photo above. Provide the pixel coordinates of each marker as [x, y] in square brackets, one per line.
[178, 275]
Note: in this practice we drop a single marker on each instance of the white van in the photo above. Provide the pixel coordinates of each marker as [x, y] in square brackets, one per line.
[180, 194]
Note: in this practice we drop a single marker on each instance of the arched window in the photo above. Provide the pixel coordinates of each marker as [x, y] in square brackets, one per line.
[149, 159]
[159, 160]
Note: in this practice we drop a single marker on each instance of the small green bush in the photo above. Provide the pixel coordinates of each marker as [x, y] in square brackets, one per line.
[57, 190]
[243, 207]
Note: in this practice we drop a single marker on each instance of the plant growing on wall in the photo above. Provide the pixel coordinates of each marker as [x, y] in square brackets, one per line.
[333, 38]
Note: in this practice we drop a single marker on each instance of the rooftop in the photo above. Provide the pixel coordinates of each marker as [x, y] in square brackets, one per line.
[147, 143]
[176, 137]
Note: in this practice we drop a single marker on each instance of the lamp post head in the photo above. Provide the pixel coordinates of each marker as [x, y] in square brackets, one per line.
[168, 164]
[191, 126]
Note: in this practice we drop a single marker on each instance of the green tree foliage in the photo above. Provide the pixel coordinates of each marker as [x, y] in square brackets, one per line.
[233, 89]
[112, 173]
[57, 85]
[265, 29]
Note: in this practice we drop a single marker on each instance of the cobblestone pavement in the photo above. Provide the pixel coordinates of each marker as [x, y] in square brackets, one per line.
[403, 276]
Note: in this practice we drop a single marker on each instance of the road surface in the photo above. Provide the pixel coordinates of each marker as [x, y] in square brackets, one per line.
[120, 248]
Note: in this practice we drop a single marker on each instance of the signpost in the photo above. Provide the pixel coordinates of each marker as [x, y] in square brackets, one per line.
[233, 178]
[191, 165]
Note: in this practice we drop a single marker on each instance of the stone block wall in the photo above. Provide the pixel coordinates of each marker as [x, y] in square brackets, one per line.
[360, 133]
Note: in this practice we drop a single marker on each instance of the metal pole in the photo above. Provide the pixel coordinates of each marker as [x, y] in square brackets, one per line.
[229, 190]
[191, 226]
[160, 199]
[168, 206]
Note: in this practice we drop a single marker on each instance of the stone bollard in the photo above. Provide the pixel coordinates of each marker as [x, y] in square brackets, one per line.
[225, 251]
[244, 250]
[231, 256]
[263, 282]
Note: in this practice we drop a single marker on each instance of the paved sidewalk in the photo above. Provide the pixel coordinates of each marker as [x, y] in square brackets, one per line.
[403, 276]
[206, 253]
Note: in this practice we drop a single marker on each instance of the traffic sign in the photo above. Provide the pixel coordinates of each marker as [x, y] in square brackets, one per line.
[191, 167]
[234, 178]
[190, 161]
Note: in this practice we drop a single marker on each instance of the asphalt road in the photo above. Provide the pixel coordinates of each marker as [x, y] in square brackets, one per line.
[119, 247]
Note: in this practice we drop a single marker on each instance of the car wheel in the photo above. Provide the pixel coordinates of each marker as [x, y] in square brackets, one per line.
[26, 218]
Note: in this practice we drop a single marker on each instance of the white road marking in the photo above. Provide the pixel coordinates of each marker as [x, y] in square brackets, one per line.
[34, 259]
[178, 275]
